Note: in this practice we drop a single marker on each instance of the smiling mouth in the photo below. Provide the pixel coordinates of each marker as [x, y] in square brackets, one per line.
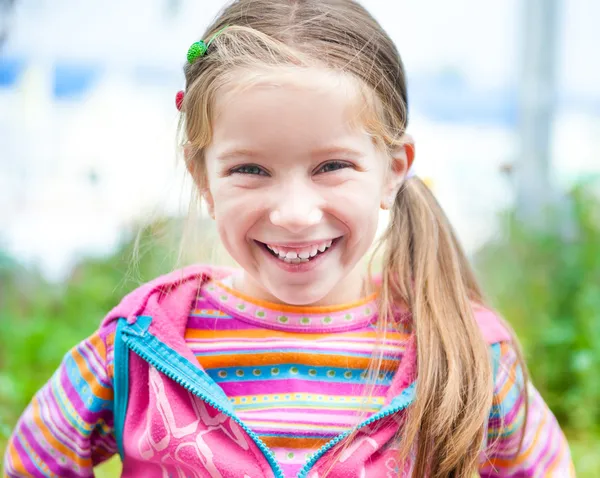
[298, 255]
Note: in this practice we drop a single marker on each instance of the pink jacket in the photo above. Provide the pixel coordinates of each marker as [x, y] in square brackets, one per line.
[172, 420]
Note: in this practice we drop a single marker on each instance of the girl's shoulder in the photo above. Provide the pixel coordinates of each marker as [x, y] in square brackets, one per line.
[491, 325]
[169, 290]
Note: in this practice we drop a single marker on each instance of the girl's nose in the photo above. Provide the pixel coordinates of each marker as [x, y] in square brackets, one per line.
[295, 221]
[296, 210]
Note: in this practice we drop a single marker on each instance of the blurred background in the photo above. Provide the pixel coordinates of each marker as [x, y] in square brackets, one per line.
[504, 101]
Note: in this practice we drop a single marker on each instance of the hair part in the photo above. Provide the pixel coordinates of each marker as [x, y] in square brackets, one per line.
[424, 265]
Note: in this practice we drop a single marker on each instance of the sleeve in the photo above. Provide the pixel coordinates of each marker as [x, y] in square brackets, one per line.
[544, 451]
[67, 428]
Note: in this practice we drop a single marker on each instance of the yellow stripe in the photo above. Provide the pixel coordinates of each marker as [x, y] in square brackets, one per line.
[312, 406]
[300, 396]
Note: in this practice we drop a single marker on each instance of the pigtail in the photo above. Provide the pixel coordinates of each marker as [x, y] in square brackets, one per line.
[425, 268]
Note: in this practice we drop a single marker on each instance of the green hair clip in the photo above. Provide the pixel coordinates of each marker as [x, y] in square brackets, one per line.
[195, 51]
[199, 48]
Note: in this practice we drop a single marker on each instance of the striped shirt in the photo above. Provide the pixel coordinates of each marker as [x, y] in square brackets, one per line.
[292, 375]
[295, 375]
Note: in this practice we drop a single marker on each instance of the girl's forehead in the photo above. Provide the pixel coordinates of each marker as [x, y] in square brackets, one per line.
[292, 77]
[310, 100]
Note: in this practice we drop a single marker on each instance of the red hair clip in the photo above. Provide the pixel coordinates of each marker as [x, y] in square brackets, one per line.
[179, 99]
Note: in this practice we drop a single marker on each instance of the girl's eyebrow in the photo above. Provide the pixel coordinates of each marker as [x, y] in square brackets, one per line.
[317, 153]
[237, 153]
[334, 150]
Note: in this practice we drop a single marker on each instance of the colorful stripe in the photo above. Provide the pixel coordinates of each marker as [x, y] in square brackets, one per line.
[296, 387]
[67, 428]
[544, 452]
[285, 317]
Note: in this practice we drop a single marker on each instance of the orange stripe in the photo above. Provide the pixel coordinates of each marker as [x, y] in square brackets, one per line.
[97, 388]
[286, 442]
[110, 342]
[258, 359]
[507, 462]
[509, 384]
[261, 333]
[294, 308]
[51, 439]
[559, 458]
[17, 464]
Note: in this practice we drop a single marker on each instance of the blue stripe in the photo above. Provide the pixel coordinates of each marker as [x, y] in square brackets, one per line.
[65, 412]
[285, 372]
[504, 408]
[90, 401]
[209, 316]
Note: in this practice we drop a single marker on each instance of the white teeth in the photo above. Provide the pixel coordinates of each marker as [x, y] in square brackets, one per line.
[294, 261]
[293, 257]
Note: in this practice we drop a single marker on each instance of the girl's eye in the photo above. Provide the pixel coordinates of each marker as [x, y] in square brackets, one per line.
[333, 166]
[249, 169]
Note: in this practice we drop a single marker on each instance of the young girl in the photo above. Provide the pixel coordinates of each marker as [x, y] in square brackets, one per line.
[299, 364]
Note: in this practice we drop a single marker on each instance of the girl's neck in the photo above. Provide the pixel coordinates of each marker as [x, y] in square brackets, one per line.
[353, 288]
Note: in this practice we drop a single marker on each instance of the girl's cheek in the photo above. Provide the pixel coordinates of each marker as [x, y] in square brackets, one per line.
[238, 205]
[226, 192]
[356, 198]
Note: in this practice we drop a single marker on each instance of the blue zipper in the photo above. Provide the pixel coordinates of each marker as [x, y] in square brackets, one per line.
[397, 404]
[135, 336]
[121, 384]
[149, 355]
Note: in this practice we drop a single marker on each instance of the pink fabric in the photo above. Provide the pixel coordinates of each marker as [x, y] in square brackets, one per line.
[170, 432]
[492, 328]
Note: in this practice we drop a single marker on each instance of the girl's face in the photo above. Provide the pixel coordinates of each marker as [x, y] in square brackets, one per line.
[296, 189]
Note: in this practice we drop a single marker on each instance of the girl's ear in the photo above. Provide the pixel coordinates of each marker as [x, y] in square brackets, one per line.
[210, 203]
[409, 150]
[401, 161]
[200, 180]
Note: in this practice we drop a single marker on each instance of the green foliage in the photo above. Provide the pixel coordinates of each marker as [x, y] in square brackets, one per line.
[546, 282]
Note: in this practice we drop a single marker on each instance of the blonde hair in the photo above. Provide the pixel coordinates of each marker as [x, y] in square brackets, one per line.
[424, 265]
